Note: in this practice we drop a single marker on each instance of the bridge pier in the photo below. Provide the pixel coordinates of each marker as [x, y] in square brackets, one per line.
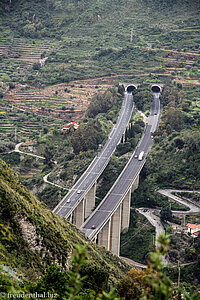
[79, 214]
[109, 235]
[70, 218]
[90, 200]
[135, 184]
[104, 236]
[126, 212]
[115, 231]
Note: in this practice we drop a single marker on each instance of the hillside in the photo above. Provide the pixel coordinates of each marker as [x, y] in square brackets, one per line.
[36, 252]
[41, 238]
[78, 39]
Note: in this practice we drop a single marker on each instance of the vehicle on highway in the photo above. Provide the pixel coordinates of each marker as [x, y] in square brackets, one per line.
[155, 113]
[68, 200]
[93, 227]
[135, 156]
[79, 191]
[141, 155]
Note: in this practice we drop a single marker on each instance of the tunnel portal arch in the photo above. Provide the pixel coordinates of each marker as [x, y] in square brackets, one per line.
[130, 88]
[156, 88]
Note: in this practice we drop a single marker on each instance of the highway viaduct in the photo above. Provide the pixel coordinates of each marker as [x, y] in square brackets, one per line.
[112, 216]
[78, 204]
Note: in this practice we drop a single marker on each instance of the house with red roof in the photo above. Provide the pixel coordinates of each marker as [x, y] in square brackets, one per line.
[75, 125]
[194, 229]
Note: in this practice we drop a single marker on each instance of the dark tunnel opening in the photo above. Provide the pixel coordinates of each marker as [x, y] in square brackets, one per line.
[130, 88]
[155, 89]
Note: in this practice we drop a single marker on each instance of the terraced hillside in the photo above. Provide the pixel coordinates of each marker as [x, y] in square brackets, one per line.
[18, 55]
[62, 101]
[79, 39]
[19, 124]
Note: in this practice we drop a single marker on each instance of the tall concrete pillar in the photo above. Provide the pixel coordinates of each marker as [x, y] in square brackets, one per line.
[95, 239]
[126, 211]
[79, 214]
[135, 184]
[90, 200]
[104, 236]
[115, 231]
[70, 218]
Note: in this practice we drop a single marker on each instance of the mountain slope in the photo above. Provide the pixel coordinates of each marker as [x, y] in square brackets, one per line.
[80, 39]
[40, 237]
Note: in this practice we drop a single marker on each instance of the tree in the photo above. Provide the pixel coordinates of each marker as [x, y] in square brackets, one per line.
[126, 135]
[102, 103]
[48, 157]
[153, 283]
[166, 213]
[143, 97]
[45, 130]
[171, 94]
[132, 286]
[121, 89]
[179, 143]
[174, 118]
[136, 128]
[87, 136]
[72, 284]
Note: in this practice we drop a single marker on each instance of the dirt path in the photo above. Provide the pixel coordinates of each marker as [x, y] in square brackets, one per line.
[45, 178]
[30, 154]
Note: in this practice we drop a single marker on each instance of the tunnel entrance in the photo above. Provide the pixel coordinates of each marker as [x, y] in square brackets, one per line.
[130, 88]
[156, 88]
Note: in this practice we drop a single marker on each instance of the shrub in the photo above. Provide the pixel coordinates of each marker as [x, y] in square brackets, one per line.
[11, 85]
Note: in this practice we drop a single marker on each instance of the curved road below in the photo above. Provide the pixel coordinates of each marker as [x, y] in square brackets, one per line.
[155, 220]
[45, 177]
[19, 151]
[193, 207]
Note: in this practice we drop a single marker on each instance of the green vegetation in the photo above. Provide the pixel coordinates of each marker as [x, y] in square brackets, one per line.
[143, 97]
[78, 39]
[41, 238]
[192, 196]
[137, 242]
[78, 278]
[87, 137]
[103, 103]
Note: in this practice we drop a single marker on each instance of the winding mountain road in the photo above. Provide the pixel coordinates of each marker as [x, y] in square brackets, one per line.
[194, 207]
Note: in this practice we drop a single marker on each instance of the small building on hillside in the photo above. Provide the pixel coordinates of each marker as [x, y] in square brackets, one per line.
[75, 125]
[194, 229]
